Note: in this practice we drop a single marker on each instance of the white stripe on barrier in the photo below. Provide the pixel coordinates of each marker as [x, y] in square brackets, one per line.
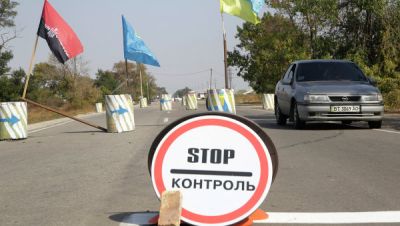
[126, 117]
[18, 126]
[113, 108]
[117, 116]
[10, 128]
[131, 111]
[268, 101]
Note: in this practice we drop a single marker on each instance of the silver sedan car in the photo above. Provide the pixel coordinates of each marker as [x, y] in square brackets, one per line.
[327, 90]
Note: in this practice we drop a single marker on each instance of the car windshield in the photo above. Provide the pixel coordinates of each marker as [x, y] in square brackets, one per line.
[329, 71]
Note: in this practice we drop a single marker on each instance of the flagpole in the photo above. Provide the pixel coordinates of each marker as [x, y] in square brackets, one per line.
[148, 92]
[126, 73]
[225, 52]
[30, 66]
[141, 83]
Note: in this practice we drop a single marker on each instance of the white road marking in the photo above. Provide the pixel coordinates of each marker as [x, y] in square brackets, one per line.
[333, 218]
[48, 127]
[165, 120]
[387, 131]
[262, 119]
[379, 130]
[379, 217]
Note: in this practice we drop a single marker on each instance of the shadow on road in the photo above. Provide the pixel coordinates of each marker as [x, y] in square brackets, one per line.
[87, 131]
[119, 217]
[392, 123]
[129, 218]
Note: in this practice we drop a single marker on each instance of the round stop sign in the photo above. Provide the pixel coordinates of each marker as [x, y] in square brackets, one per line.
[223, 164]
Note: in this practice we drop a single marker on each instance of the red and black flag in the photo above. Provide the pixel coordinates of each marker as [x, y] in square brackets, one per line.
[60, 37]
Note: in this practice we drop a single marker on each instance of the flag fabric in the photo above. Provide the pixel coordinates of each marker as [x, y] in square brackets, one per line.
[60, 37]
[134, 47]
[248, 10]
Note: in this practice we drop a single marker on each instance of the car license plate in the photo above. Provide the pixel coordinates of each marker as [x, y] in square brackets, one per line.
[347, 108]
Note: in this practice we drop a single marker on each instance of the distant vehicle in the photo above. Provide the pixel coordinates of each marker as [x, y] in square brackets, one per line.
[201, 96]
[327, 90]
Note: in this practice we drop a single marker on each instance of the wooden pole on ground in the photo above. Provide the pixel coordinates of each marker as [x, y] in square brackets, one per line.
[65, 114]
[30, 66]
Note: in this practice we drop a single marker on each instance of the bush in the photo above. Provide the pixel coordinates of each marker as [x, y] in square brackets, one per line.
[392, 100]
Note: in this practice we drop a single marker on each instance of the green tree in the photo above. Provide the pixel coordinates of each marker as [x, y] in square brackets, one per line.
[8, 91]
[7, 15]
[106, 81]
[265, 51]
[161, 90]
[317, 19]
[182, 92]
[12, 85]
[133, 85]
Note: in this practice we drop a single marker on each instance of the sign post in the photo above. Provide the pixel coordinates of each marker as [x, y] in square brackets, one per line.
[223, 165]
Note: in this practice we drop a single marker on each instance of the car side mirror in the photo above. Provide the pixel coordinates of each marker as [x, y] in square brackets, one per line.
[372, 80]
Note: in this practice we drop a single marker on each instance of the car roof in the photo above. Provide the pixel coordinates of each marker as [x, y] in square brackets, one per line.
[322, 61]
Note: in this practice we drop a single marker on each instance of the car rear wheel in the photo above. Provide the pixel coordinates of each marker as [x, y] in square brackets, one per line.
[375, 124]
[280, 118]
[297, 122]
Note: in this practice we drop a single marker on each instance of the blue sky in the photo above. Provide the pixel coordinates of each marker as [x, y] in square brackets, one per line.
[185, 35]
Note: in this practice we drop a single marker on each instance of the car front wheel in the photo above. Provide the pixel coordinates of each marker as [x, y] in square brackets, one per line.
[298, 123]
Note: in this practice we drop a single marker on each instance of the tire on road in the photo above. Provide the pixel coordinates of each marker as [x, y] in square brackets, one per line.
[281, 119]
[297, 122]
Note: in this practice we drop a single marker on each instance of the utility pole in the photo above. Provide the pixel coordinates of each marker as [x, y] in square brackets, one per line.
[230, 77]
[225, 52]
[211, 74]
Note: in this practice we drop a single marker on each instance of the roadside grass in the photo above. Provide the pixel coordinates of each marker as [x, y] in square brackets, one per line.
[248, 99]
[37, 114]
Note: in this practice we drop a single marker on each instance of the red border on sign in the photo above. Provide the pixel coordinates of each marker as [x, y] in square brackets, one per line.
[264, 164]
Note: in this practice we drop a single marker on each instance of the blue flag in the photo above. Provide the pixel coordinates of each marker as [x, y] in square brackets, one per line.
[134, 47]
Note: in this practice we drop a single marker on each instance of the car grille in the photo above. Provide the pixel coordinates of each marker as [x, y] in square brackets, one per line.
[344, 98]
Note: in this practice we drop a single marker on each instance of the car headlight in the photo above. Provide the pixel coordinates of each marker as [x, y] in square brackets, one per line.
[372, 97]
[316, 98]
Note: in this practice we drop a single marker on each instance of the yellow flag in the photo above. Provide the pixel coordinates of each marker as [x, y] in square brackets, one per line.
[240, 8]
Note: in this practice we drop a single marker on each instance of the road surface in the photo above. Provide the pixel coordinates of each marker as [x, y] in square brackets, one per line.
[71, 174]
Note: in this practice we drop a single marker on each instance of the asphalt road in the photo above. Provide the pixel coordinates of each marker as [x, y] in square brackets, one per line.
[71, 174]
